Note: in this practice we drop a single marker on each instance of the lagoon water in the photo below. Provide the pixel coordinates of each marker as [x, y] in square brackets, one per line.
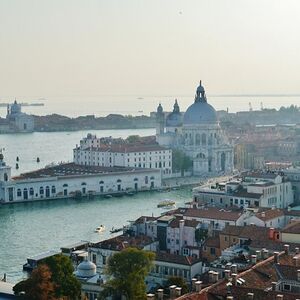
[103, 105]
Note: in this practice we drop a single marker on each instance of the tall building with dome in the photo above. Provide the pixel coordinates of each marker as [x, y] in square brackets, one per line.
[198, 134]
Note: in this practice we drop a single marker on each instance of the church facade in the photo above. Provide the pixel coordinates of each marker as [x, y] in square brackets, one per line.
[198, 134]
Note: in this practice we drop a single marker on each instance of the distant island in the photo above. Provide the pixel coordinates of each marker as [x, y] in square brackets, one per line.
[56, 122]
[3, 104]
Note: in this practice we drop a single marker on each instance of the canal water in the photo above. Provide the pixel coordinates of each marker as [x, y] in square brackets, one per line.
[31, 228]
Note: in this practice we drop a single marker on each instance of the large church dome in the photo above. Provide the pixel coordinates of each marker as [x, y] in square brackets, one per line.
[200, 112]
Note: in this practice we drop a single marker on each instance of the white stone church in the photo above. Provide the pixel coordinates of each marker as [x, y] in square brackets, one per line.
[198, 134]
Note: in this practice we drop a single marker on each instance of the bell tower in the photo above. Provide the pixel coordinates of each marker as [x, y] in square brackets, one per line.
[5, 171]
[160, 120]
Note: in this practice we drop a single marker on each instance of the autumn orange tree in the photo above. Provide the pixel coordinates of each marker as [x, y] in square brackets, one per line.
[38, 286]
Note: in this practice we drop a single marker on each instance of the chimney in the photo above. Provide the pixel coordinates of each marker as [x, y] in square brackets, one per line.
[210, 276]
[215, 276]
[198, 286]
[227, 274]
[258, 254]
[193, 284]
[178, 291]
[297, 250]
[265, 254]
[298, 275]
[286, 249]
[172, 291]
[253, 259]
[181, 223]
[295, 261]
[234, 268]
[273, 207]
[276, 257]
[229, 298]
[271, 233]
[263, 215]
[279, 297]
[234, 278]
[250, 296]
[150, 296]
[160, 294]
[274, 285]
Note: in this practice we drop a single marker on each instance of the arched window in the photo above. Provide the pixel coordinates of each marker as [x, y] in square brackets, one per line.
[152, 177]
[53, 189]
[197, 139]
[19, 192]
[119, 180]
[135, 179]
[203, 139]
[65, 185]
[101, 182]
[83, 183]
[31, 191]
[41, 190]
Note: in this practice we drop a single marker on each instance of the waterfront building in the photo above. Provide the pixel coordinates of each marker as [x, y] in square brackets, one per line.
[93, 151]
[17, 120]
[252, 189]
[71, 180]
[198, 134]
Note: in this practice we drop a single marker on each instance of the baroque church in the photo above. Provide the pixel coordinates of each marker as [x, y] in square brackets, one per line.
[198, 134]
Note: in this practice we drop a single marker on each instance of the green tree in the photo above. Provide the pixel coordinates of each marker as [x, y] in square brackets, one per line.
[127, 270]
[181, 162]
[178, 281]
[66, 284]
[38, 286]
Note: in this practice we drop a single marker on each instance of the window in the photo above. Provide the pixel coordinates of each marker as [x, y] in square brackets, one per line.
[286, 287]
[94, 258]
[213, 251]
[41, 190]
[177, 242]
[53, 189]
[31, 191]
[104, 260]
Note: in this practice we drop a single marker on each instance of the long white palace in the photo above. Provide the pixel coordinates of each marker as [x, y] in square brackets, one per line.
[106, 166]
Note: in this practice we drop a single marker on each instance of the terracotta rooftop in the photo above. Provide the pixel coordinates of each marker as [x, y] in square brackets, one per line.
[270, 214]
[257, 280]
[176, 259]
[249, 232]
[142, 219]
[127, 148]
[293, 227]
[121, 242]
[209, 213]
[187, 223]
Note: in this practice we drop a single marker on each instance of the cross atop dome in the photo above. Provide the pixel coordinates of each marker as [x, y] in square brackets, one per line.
[200, 93]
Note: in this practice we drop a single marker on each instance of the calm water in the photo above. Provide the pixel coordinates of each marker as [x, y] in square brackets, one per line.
[139, 104]
[32, 228]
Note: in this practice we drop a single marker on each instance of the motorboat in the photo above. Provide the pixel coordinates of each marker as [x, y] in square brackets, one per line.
[101, 228]
[166, 204]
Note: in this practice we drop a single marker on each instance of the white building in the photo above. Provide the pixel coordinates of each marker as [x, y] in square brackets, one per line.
[92, 152]
[198, 134]
[72, 180]
[251, 190]
[19, 121]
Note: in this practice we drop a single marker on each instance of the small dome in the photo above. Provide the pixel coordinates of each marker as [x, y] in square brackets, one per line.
[174, 119]
[86, 269]
[159, 108]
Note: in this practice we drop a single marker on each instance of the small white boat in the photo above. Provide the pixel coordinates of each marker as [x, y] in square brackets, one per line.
[101, 228]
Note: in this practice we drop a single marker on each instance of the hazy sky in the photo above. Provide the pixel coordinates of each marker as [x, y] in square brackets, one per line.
[157, 47]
